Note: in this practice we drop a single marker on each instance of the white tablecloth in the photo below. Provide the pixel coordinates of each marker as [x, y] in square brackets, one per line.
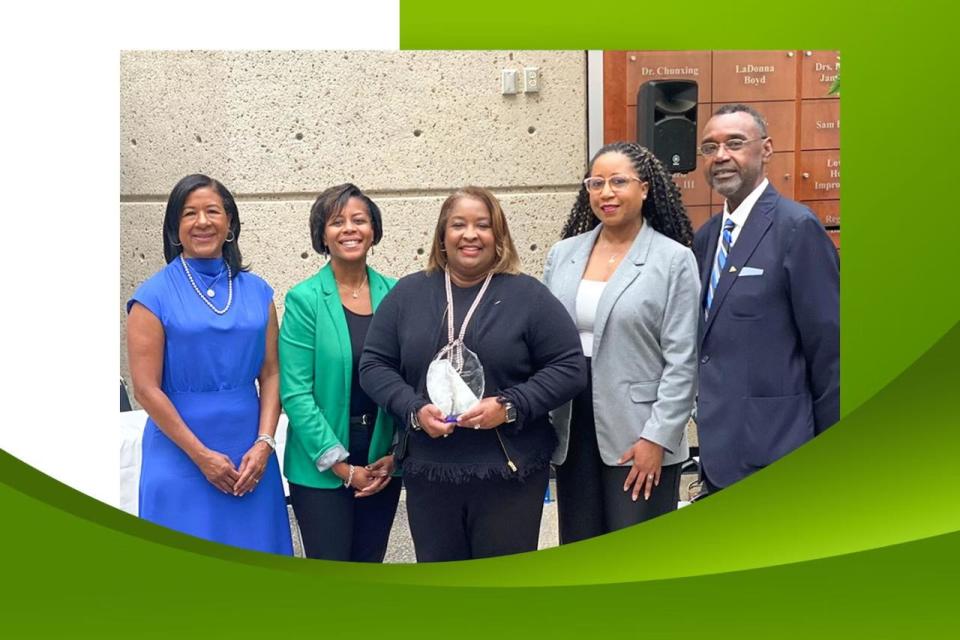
[131, 434]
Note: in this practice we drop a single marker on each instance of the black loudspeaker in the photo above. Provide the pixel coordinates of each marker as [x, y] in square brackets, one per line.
[667, 122]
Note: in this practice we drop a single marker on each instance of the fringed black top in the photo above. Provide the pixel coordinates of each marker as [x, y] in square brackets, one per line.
[530, 352]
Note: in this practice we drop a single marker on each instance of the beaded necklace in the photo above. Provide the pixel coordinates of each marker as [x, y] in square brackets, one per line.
[207, 302]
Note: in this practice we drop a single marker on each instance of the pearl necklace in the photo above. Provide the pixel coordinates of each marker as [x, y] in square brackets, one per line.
[210, 287]
[193, 284]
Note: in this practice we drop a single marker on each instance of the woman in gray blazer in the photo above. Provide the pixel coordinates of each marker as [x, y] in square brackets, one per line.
[628, 279]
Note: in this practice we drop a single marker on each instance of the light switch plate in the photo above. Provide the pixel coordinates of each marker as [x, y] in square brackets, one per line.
[508, 81]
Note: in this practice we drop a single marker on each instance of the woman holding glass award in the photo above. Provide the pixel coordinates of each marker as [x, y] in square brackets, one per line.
[473, 355]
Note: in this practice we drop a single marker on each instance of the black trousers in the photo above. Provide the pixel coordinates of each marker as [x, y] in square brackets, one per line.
[336, 526]
[590, 496]
[480, 518]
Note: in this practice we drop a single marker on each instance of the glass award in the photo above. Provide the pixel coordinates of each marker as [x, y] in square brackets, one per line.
[455, 380]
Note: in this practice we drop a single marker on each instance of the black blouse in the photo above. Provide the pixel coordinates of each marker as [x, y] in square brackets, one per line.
[358, 325]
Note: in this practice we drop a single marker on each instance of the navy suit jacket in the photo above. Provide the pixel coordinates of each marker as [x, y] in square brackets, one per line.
[770, 346]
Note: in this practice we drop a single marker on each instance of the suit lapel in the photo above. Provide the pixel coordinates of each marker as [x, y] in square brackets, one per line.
[338, 320]
[713, 237]
[628, 270]
[570, 272]
[378, 288]
[759, 220]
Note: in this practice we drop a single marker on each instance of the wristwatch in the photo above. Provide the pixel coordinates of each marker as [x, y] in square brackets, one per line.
[415, 422]
[509, 408]
[263, 437]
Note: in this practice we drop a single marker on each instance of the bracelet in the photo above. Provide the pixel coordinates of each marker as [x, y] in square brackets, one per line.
[263, 437]
[349, 479]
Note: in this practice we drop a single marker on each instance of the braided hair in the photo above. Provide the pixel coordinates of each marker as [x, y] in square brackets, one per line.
[662, 209]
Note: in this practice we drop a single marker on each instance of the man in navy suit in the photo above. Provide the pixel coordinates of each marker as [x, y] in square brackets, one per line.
[770, 327]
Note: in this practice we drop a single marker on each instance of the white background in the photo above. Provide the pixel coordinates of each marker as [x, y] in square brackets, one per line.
[59, 230]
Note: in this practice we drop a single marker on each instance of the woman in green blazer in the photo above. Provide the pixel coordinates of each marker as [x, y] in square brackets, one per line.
[338, 457]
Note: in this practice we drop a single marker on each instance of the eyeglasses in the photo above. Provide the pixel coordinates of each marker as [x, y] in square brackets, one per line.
[617, 183]
[735, 144]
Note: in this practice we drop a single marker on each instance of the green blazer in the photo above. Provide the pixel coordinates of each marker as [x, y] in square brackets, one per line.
[316, 365]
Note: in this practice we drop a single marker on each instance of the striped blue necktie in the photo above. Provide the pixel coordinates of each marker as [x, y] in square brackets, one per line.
[726, 239]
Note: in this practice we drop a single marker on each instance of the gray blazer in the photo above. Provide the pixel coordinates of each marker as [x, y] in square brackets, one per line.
[645, 343]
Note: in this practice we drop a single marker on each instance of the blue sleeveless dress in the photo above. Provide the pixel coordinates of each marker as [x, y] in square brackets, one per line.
[210, 364]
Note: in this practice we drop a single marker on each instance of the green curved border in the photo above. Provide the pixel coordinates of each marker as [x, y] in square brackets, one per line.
[809, 506]
[855, 534]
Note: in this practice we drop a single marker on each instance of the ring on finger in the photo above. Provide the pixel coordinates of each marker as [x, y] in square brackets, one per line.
[650, 476]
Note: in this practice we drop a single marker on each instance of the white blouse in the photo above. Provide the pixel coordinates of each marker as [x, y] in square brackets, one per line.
[588, 299]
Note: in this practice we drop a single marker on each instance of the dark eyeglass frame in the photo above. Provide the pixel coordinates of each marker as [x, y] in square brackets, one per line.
[708, 149]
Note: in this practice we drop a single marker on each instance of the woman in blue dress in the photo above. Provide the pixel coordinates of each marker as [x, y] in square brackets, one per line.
[202, 337]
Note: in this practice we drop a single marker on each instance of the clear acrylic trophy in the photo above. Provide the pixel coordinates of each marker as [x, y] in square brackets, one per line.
[455, 380]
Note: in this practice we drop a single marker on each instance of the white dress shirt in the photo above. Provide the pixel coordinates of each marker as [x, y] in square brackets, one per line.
[739, 215]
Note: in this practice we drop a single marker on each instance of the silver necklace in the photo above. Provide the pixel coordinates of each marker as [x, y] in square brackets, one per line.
[356, 292]
[193, 284]
[210, 291]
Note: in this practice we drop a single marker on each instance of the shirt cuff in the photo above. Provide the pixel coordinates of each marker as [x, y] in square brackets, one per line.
[331, 457]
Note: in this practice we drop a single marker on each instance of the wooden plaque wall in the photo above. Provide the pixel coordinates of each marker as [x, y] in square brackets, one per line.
[790, 89]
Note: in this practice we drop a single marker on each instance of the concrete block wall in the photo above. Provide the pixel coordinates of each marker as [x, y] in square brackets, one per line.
[278, 127]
